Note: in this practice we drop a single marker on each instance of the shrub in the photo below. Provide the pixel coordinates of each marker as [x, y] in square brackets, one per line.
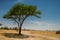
[57, 32]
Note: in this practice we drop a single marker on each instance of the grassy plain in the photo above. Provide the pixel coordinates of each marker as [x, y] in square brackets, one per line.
[29, 35]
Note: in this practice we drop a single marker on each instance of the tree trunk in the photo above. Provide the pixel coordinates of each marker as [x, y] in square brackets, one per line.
[20, 26]
[20, 30]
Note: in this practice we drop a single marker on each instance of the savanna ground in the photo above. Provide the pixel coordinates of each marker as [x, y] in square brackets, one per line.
[28, 35]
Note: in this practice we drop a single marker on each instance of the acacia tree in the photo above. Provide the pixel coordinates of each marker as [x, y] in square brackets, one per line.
[19, 13]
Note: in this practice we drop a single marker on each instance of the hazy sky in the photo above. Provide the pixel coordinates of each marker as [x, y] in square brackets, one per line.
[50, 18]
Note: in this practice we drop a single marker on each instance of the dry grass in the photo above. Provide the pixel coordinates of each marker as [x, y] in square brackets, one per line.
[46, 33]
[27, 35]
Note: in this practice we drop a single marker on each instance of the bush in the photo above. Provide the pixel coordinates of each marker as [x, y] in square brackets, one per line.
[57, 32]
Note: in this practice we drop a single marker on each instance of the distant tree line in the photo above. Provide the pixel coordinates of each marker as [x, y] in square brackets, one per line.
[7, 28]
